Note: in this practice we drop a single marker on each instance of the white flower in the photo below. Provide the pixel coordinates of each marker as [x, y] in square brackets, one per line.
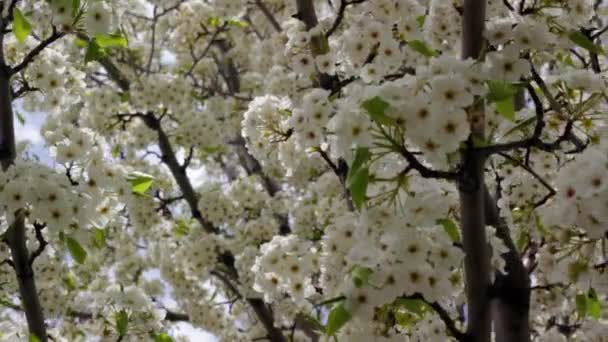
[449, 93]
[325, 64]
[98, 18]
[506, 64]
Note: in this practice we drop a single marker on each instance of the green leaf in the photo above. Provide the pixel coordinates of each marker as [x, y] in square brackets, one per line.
[421, 47]
[99, 238]
[415, 306]
[122, 322]
[499, 90]
[237, 22]
[362, 155]
[181, 228]
[581, 305]
[450, 228]
[162, 337]
[506, 108]
[21, 27]
[76, 250]
[338, 316]
[214, 21]
[70, 281]
[94, 52]
[140, 182]
[20, 117]
[116, 151]
[522, 241]
[361, 275]
[594, 307]
[75, 7]
[521, 126]
[125, 97]
[33, 338]
[358, 186]
[583, 41]
[80, 43]
[376, 107]
[421, 20]
[111, 40]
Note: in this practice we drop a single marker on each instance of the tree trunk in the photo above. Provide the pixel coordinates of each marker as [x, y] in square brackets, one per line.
[472, 197]
[15, 235]
[511, 291]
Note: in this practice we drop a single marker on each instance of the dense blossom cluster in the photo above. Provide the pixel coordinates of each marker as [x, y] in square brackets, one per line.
[229, 164]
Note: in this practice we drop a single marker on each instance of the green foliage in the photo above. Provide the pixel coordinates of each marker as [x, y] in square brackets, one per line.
[503, 95]
[361, 275]
[163, 337]
[94, 52]
[99, 237]
[338, 316]
[450, 228]
[357, 179]
[376, 107]
[122, 322]
[140, 182]
[20, 117]
[111, 40]
[588, 305]
[583, 41]
[422, 48]
[33, 338]
[181, 228]
[76, 250]
[21, 26]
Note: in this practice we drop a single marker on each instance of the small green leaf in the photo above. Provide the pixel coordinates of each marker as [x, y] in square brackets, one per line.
[376, 107]
[450, 228]
[506, 108]
[361, 275]
[21, 26]
[214, 21]
[237, 22]
[20, 117]
[125, 97]
[163, 337]
[75, 7]
[80, 43]
[362, 155]
[499, 90]
[358, 186]
[140, 182]
[122, 322]
[581, 305]
[594, 307]
[33, 338]
[583, 41]
[111, 40]
[181, 228]
[415, 306]
[116, 151]
[522, 241]
[76, 250]
[338, 316]
[421, 47]
[70, 281]
[421, 20]
[94, 52]
[99, 238]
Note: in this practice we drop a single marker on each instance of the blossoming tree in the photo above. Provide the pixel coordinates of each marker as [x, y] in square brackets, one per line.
[305, 170]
